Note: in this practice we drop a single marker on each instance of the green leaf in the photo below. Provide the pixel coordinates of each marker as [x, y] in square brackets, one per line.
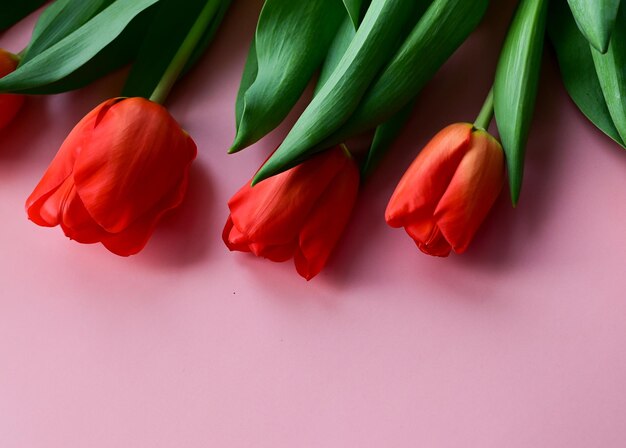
[75, 50]
[442, 29]
[596, 19]
[171, 25]
[250, 71]
[60, 19]
[12, 11]
[578, 70]
[384, 137]
[354, 11]
[122, 51]
[291, 41]
[611, 70]
[337, 49]
[371, 48]
[515, 87]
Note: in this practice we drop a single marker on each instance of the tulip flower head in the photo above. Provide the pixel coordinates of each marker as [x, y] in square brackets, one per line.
[449, 189]
[119, 170]
[10, 103]
[300, 213]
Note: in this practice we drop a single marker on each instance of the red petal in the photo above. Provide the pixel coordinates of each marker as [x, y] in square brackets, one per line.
[59, 171]
[472, 192]
[10, 105]
[433, 244]
[233, 238]
[47, 211]
[134, 157]
[426, 180]
[236, 240]
[273, 212]
[327, 221]
[277, 254]
[8, 63]
[76, 222]
[135, 237]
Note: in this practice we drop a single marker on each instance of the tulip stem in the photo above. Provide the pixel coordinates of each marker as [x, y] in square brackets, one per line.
[486, 113]
[185, 51]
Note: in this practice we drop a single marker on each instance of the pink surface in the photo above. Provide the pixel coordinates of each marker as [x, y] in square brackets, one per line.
[519, 343]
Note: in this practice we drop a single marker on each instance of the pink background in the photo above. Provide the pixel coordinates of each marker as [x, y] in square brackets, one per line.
[519, 343]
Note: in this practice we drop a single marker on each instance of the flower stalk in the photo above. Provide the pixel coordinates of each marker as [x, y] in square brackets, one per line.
[185, 51]
[485, 116]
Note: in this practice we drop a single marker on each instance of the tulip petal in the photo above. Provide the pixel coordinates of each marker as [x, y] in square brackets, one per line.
[132, 159]
[433, 243]
[76, 222]
[10, 105]
[46, 212]
[134, 238]
[472, 191]
[8, 62]
[425, 182]
[234, 239]
[276, 254]
[273, 212]
[42, 201]
[327, 222]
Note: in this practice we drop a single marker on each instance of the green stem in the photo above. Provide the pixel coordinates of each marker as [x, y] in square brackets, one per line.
[486, 113]
[185, 51]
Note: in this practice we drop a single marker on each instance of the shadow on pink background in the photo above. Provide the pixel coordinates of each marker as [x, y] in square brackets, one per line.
[518, 343]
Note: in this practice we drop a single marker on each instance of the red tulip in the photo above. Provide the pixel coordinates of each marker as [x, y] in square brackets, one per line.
[298, 214]
[10, 103]
[449, 189]
[122, 167]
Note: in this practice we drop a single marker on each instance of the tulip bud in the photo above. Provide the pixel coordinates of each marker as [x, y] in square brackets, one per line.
[449, 189]
[121, 168]
[10, 103]
[300, 213]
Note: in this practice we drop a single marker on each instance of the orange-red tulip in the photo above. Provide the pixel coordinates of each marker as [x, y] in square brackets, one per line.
[449, 189]
[121, 168]
[298, 214]
[10, 104]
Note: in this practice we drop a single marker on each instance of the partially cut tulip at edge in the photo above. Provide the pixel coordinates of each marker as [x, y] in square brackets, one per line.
[118, 172]
[300, 213]
[447, 192]
[10, 103]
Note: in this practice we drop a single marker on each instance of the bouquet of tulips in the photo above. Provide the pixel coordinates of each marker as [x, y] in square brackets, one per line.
[126, 163]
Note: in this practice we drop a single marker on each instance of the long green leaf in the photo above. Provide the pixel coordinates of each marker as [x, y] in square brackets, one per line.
[60, 19]
[119, 53]
[166, 33]
[368, 52]
[578, 70]
[75, 50]
[596, 19]
[12, 11]
[354, 11]
[515, 88]
[387, 132]
[250, 71]
[291, 41]
[611, 70]
[337, 50]
[445, 25]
